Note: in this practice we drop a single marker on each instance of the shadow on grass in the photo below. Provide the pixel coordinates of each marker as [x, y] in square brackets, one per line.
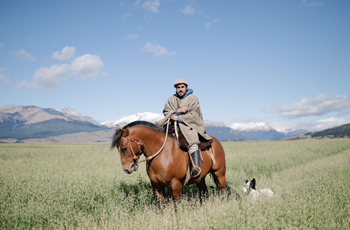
[141, 192]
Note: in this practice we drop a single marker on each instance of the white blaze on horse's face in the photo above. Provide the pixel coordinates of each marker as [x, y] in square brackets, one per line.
[128, 163]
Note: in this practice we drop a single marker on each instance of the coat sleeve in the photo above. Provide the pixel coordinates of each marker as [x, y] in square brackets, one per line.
[169, 107]
[194, 112]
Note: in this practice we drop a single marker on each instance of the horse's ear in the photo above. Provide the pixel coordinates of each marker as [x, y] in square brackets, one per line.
[126, 132]
[118, 127]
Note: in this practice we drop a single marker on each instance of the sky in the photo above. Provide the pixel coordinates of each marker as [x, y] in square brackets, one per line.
[282, 62]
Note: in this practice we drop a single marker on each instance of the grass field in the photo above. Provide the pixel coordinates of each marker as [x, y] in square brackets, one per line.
[82, 186]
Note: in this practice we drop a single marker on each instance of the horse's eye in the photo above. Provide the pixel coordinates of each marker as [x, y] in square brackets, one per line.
[124, 149]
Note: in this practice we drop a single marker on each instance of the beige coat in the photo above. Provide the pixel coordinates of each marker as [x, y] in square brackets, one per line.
[193, 119]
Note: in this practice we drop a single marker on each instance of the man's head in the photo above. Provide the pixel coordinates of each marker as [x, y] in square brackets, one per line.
[181, 86]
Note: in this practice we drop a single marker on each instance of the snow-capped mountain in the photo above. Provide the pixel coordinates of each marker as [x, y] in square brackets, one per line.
[293, 132]
[249, 127]
[256, 131]
[262, 131]
[145, 116]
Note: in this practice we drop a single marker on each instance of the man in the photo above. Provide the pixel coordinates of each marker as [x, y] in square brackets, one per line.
[184, 108]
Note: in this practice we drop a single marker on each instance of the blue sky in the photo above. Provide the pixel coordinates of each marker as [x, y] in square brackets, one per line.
[283, 62]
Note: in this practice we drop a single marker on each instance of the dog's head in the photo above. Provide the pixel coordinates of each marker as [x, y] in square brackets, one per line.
[249, 186]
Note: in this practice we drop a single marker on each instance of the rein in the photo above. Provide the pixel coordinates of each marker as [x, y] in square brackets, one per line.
[139, 143]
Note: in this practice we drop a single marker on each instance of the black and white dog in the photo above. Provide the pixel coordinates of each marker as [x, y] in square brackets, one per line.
[249, 189]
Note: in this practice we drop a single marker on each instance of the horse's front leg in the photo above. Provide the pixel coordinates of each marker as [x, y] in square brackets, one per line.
[203, 190]
[159, 190]
[176, 186]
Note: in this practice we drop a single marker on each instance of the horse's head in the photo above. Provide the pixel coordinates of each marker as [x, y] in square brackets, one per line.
[129, 149]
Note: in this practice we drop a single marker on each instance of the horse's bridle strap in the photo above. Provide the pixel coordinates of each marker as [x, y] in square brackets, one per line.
[139, 144]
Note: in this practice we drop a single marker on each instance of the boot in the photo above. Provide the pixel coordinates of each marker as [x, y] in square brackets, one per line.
[196, 170]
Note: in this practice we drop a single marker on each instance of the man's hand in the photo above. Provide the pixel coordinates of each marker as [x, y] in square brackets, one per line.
[182, 110]
[174, 117]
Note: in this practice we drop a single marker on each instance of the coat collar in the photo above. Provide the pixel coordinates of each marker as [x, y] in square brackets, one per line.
[188, 92]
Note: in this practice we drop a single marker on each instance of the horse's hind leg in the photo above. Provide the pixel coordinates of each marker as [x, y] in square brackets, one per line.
[220, 180]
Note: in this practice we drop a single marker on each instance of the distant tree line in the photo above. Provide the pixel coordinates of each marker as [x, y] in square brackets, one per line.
[340, 131]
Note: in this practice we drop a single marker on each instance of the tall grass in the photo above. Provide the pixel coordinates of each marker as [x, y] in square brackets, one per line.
[83, 186]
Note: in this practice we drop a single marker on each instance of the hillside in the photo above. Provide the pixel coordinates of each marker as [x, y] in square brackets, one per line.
[340, 131]
[28, 122]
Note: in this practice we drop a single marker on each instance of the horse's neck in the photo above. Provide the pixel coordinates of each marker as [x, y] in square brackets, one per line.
[153, 142]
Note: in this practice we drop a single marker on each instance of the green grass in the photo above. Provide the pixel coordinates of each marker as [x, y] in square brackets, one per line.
[80, 186]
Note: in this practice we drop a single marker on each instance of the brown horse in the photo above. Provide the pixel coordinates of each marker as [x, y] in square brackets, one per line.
[169, 167]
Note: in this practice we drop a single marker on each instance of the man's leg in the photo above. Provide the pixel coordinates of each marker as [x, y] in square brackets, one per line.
[192, 138]
[196, 157]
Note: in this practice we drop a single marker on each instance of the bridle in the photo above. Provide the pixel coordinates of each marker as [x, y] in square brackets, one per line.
[140, 144]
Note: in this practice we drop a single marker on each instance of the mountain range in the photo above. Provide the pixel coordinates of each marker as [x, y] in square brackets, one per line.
[18, 123]
[32, 124]
[235, 131]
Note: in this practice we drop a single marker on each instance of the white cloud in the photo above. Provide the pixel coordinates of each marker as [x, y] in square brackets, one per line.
[157, 50]
[311, 2]
[5, 79]
[46, 78]
[209, 24]
[127, 15]
[188, 10]
[131, 36]
[24, 55]
[319, 105]
[67, 53]
[327, 123]
[2, 44]
[87, 65]
[24, 84]
[152, 5]
[137, 2]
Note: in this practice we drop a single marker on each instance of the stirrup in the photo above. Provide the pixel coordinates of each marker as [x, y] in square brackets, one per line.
[198, 174]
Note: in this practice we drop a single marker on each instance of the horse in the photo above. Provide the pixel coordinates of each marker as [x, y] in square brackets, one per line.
[167, 164]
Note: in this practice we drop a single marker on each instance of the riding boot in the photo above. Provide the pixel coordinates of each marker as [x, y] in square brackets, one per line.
[196, 170]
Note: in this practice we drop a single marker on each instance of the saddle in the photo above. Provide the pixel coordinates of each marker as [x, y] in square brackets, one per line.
[203, 145]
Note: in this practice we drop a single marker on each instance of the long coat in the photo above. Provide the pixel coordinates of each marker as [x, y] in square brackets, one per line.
[192, 120]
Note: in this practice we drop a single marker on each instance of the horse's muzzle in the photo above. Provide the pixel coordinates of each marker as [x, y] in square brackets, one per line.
[134, 167]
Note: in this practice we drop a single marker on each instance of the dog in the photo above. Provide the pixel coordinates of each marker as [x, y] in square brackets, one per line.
[249, 190]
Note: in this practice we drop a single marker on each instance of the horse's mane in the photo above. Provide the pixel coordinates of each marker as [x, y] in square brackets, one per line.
[118, 134]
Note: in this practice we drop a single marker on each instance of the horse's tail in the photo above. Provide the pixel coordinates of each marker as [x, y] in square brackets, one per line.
[229, 190]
